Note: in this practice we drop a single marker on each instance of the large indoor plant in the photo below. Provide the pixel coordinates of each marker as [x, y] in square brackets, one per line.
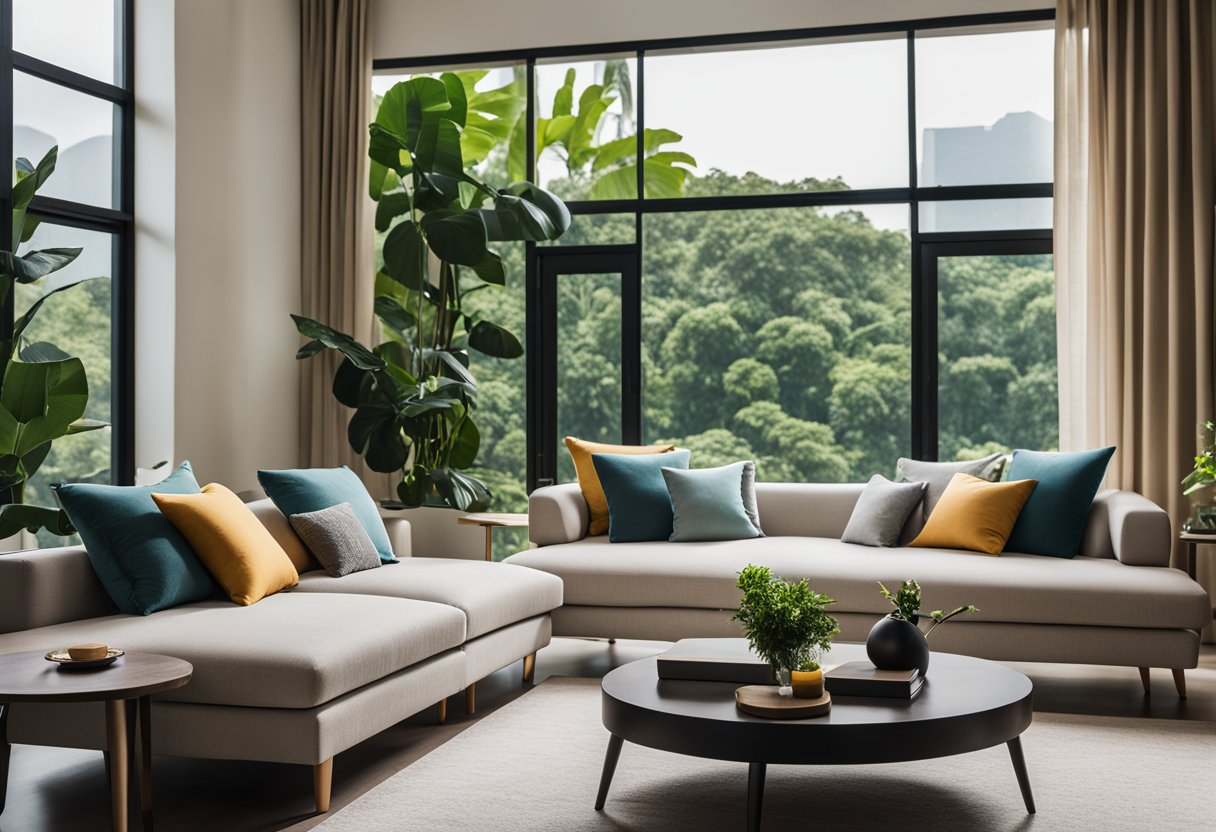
[414, 395]
[786, 624]
[43, 390]
[1199, 486]
[896, 642]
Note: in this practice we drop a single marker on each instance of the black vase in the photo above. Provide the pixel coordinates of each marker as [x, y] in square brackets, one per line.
[896, 644]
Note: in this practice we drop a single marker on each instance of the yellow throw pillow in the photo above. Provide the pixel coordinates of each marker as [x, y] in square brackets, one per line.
[231, 542]
[589, 481]
[975, 514]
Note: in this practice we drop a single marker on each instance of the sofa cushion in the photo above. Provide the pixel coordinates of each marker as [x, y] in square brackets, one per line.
[639, 505]
[713, 503]
[337, 539]
[938, 475]
[974, 515]
[589, 481]
[491, 595]
[882, 510]
[291, 650]
[300, 490]
[1013, 588]
[1053, 520]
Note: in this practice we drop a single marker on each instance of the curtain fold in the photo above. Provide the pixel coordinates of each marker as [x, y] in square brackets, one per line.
[337, 280]
[1134, 234]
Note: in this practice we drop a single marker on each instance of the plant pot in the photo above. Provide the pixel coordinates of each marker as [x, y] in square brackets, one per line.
[1202, 517]
[896, 644]
[807, 684]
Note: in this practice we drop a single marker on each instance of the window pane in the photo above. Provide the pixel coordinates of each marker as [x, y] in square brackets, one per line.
[586, 129]
[799, 118]
[984, 106]
[985, 215]
[997, 344]
[78, 322]
[79, 35]
[598, 230]
[45, 115]
[779, 335]
[588, 362]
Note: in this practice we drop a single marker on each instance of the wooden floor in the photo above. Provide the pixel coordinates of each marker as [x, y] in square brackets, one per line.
[59, 790]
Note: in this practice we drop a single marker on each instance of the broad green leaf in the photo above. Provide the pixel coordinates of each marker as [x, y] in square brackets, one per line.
[44, 399]
[395, 316]
[453, 363]
[491, 270]
[495, 341]
[405, 256]
[36, 264]
[14, 518]
[86, 425]
[390, 207]
[563, 99]
[663, 181]
[456, 236]
[40, 351]
[360, 356]
[555, 130]
[375, 434]
[349, 382]
[414, 487]
[461, 491]
[458, 104]
[621, 183]
[26, 187]
[526, 212]
[465, 444]
[22, 323]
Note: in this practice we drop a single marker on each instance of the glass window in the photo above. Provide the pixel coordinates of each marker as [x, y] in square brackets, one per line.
[46, 115]
[80, 35]
[985, 215]
[997, 385]
[598, 230]
[984, 104]
[779, 335]
[586, 128]
[826, 116]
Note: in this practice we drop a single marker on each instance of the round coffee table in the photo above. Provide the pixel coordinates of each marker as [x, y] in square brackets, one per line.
[126, 687]
[965, 705]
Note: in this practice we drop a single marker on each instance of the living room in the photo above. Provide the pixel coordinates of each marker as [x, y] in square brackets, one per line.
[557, 416]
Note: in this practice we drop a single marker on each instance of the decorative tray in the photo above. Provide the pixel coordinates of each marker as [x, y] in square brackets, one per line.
[764, 701]
[66, 662]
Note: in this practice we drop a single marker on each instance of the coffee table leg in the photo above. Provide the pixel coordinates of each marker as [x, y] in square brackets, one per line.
[755, 795]
[1019, 768]
[610, 758]
[145, 760]
[120, 764]
[5, 751]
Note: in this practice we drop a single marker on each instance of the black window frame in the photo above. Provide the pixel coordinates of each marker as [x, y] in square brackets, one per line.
[117, 221]
[542, 451]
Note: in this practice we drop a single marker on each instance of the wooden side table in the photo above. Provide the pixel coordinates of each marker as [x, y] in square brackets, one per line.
[490, 521]
[1193, 542]
[126, 688]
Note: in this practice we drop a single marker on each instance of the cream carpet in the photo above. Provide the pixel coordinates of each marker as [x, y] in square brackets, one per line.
[535, 764]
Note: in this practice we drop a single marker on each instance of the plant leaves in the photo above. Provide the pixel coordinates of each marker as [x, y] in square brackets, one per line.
[495, 341]
[404, 256]
[36, 264]
[456, 236]
[461, 491]
[465, 445]
[491, 270]
[15, 517]
[40, 402]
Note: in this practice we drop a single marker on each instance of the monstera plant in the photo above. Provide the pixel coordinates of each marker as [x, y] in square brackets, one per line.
[43, 390]
[413, 395]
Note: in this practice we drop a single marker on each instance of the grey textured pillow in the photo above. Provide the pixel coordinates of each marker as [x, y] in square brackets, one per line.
[337, 539]
[881, 511]
[937, 475]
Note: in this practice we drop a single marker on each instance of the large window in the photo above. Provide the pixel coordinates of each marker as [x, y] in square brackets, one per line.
[68, 64]
[835, 250]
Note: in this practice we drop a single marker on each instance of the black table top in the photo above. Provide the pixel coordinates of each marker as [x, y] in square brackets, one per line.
[966, 704]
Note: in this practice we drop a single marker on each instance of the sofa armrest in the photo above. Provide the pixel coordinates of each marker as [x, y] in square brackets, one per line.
[1140, 530]
[399, 536]
[557, 514]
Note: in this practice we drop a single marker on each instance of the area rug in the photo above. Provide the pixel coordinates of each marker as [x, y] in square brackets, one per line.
[535, 764]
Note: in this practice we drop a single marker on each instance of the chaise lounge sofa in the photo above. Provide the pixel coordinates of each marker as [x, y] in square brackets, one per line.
[298, 676]
[1117, 603]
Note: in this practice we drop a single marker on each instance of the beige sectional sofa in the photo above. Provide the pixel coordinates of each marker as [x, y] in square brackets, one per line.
[1118, 603]
[298, 676]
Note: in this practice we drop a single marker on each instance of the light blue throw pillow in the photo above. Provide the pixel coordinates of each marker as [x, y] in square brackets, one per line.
[305, 490]
[639, 507]
[142, 561]
[1053, 520]
[712, 503]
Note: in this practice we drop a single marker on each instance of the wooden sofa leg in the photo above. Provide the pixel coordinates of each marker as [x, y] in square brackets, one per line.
[1148, 690]
[441, 711]
[322, 784]
[529, 668]
[470, 699]
[1180, 682]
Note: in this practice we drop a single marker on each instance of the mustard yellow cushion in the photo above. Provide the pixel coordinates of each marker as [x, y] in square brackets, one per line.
[589, 480]
[231, 542]
[975, 514]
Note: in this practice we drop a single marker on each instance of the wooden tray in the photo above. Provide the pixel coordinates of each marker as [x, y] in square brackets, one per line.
[764, 701]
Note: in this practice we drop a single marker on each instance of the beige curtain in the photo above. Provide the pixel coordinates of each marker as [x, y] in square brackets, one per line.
[1135, 212]
[337, 278]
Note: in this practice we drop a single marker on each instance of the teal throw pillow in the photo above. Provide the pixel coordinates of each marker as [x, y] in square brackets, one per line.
[305, 490]
[639, 507]
[712, 503]
[1053, 520]
[142, 561]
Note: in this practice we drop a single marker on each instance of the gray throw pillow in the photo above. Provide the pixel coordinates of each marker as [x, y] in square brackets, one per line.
[937, 475]
[713, 503]
[881, 511]
[337, 539]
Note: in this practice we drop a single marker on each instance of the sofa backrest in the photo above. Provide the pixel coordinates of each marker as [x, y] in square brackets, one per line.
[41, 587]
[806, 509]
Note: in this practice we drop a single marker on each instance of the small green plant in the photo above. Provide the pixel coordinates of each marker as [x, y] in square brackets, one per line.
[785, 623]
[808, 667]
[907, 605]
[1205, 462]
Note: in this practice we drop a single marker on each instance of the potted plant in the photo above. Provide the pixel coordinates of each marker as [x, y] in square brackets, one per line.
[1199, 486]
[807, 680]
[786, 624]
[43, 390]
[896, 642]
[414, 395]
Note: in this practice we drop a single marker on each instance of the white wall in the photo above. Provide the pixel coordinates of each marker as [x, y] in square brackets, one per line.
[409, 28]
[237, 229]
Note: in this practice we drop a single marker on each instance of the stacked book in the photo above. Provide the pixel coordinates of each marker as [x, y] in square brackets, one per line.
[864, 679]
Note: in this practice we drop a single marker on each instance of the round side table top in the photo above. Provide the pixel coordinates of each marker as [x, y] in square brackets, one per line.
[29, 677]
[966, 704]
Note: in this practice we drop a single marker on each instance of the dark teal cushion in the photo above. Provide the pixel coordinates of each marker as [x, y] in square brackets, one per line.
[639, 507]
[304, 490]
[711, 503]
[142, 561]
[1053, 520]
